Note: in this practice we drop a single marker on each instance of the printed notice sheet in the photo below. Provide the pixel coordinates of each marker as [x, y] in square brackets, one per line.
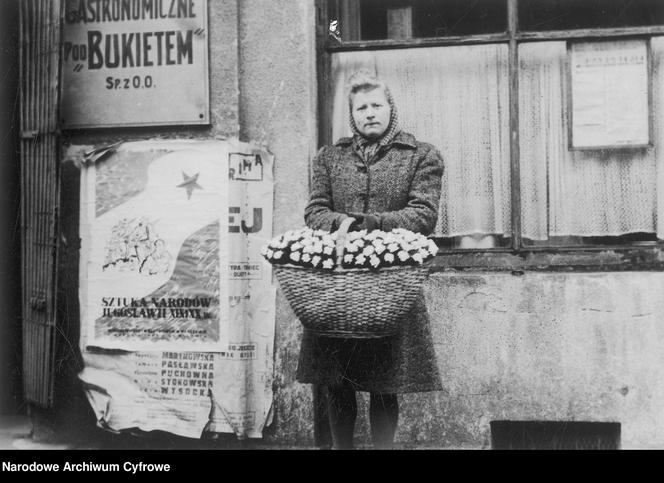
[609, 83]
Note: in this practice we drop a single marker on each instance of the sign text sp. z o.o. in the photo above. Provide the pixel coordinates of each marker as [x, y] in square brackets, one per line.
[134, 63]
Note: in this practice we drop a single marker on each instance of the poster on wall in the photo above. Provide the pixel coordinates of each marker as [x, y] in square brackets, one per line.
[152, 228]
[609, 94]
[204, 366]
[134, 63]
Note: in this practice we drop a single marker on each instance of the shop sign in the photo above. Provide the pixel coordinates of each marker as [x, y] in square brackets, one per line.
[134, 63]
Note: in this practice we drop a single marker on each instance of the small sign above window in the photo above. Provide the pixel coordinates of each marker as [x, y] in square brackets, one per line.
[609, 105]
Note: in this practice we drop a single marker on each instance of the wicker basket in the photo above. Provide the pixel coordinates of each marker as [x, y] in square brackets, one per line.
[351, 303]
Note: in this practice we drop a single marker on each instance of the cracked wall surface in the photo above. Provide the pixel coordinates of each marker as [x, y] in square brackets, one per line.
[558, 347]
[534, 347]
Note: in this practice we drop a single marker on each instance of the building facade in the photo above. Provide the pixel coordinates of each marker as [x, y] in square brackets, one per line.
[545, 296]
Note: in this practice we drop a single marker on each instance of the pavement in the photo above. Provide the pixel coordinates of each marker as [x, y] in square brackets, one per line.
[16, 434]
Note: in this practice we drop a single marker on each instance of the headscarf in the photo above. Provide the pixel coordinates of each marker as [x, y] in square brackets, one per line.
[368, 148]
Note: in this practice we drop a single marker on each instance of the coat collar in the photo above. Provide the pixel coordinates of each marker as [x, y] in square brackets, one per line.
[403, 139]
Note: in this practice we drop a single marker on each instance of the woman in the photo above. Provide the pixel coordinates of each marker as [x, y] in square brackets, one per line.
[385, 179]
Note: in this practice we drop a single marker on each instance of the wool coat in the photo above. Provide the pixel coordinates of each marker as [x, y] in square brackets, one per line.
[401, 186]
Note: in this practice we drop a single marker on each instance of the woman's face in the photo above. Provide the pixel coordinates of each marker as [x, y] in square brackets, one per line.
[371, 112]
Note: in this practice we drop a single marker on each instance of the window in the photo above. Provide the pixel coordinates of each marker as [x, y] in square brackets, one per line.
[488, 83]
[384, 19]
[457, 99]
[588, 197]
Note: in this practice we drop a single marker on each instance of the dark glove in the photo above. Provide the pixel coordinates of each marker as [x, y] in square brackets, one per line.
[364, 221]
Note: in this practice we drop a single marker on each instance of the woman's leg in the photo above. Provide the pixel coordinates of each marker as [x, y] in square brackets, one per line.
[342, 411]
[383, 415]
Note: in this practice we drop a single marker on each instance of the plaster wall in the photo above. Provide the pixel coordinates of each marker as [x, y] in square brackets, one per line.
[277, 76]
[551, 347]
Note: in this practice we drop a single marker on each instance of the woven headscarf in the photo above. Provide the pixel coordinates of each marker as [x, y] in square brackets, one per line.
[368, 148]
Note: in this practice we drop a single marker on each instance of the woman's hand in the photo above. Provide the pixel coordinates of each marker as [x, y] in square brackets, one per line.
[364, 221]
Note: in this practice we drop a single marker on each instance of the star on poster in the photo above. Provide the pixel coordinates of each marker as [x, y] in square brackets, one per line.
[190, 184]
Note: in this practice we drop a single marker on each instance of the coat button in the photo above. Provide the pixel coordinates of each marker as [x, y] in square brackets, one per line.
[362, 169]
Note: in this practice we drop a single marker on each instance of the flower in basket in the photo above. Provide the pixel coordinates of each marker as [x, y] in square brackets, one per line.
[368, 250]
[360, 259]
[403, 255]
[305, 247]
[378, 249]
[379, 246]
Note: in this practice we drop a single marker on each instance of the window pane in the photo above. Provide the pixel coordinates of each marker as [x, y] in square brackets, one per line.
[455, 98]
[582, 197]
[582, 14]
[403, 19]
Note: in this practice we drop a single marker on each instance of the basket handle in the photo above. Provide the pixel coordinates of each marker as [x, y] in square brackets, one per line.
[342, 232]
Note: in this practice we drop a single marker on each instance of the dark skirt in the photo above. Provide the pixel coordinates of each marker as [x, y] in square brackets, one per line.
[405, 362]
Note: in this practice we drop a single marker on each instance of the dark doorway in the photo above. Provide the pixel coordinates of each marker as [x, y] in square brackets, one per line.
[11, 400]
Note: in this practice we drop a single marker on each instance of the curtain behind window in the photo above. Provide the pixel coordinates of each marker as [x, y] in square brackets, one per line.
[582, 193]
[455, 98]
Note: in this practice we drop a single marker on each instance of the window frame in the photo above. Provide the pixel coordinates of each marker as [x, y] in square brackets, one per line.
[518, 257]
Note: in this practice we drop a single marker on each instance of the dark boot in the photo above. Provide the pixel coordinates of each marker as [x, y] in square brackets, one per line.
[384, 416]
[342, 411]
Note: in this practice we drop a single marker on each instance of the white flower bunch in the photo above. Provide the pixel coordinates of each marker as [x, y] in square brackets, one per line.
[378, 249]
[362, 249]
[305, 248]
